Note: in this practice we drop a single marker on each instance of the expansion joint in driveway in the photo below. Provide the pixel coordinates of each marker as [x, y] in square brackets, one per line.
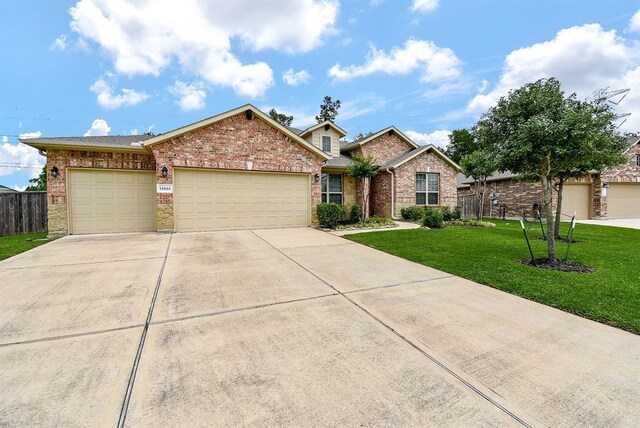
[433, 359]
[143, 338]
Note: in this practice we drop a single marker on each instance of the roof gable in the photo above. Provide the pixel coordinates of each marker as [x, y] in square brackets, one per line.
[363, 141]
[406, 157]
[326, 124]
[239, 110]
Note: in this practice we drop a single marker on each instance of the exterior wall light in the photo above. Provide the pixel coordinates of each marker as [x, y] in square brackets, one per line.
[605, 185]
[54, 171]
[316, 178]
[165, 171]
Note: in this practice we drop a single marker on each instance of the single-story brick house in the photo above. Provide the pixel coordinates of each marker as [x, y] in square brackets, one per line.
[237, 170]
[614, 193]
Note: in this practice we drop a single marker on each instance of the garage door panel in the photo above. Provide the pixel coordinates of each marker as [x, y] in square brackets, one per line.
[576, 198]
[111, 201]
[215, 200]
[623, 200]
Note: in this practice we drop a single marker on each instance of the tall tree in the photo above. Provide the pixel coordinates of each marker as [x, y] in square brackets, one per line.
[281, 118]
[364, 169]
[461, 143]
[39, 183]
[361, 136]
[539, 133]
[480, 165]
[328, 110]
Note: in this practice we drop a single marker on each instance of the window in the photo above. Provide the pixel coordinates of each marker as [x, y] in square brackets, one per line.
[332, 188]
[326, 143]
[427, 189]
[637, 160]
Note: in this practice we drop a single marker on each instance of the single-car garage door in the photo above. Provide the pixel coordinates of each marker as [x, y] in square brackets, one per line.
[623, 200]
[218, 200]
[107, 201]
[576, 198]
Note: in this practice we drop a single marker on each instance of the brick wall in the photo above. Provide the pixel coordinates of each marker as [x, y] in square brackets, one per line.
[63, 159]
[405, 180]
[384, 148]
[230, 144]
[626, 173]
[380, 197]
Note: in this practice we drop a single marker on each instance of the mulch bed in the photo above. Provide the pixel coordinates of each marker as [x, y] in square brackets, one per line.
[560, 265]
[562, 240]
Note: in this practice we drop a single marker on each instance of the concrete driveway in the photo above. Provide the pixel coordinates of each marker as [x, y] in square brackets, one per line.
[290, 327]
[631, 223]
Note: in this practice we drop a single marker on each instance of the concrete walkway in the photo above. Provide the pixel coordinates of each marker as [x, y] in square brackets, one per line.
[289, 327]
[401, 225]
[631, 223]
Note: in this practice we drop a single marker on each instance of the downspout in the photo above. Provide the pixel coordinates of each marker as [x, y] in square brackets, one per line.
[393, 195]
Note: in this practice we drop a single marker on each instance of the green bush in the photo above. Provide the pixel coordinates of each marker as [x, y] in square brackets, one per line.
[432, 218]
[412, 213]
[355, 213]
[379, 221]
[457, 212]
[471, 223]
[447, 214]
[330, 214]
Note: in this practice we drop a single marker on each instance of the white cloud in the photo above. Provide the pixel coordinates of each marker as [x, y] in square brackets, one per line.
[583, 58]
[21, 188]
[192, 95]
[18, 157]
[425, 6]
[27, 135]
[293, 78]
[436, 63]
[145, 37]
[5, 139]
[361, 105]
[99, 128]
[107, 99]
[439, 138]
[134, 131]
[60, 43]
[634, 24]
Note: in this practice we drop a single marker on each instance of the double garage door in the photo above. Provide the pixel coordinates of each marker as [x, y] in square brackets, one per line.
[207, 200]
[623, 200]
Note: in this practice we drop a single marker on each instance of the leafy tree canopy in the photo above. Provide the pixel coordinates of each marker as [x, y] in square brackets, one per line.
[328, 110]
[461, 143]
[281, 118]
[38, 184]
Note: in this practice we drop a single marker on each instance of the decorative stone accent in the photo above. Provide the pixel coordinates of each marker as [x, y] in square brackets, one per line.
[349, 190]
[165, 218]
[57, 219]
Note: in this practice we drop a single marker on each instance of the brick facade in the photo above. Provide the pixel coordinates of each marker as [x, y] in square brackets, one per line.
[627, 173]
[64, 159]
[383, 148]
[380, 196]
[230, 144]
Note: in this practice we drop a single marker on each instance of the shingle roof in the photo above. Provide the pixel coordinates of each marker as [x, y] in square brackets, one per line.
[110, 141]
[5, 189]
[294, 130]
[339, 162]
[396, 162]
[495, 177]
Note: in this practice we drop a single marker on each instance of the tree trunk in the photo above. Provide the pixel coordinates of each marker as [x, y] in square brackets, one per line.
[484, 191]
[548, 198]
[365, 199]
[556, 232]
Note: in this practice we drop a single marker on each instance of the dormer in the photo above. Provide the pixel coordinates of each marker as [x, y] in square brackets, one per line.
[325, 136]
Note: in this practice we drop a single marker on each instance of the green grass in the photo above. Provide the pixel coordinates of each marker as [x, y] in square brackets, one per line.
[16, 244]
[493, 257]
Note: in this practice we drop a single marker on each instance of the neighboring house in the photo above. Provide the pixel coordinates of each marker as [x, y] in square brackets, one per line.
[613, 193]
[5, 189]
[236, 170]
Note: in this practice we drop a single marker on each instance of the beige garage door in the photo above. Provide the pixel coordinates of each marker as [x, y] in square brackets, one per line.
[106, 201]
[576, 197]
[218, 200]
[623, 200]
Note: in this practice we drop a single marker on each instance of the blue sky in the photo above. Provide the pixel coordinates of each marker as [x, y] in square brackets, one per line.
[96, 67]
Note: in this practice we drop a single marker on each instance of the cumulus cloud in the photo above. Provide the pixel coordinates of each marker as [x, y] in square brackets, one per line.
[191, 95]
[425, 6]
[27, 135]
[60, 43]
[18, 157]
[144, 36]
[99, 128]
[583, 58]
[107, 99]
[435, 63]
[5, 139]
[293, 78]
[634, 24]
[439, 138]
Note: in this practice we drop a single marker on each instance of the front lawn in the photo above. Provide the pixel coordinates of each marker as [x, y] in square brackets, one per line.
[493, 256]
[16, 244]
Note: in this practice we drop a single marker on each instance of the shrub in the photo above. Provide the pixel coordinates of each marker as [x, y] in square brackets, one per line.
[379, 221]
[355, 214]
[457, 212]
[447, 214]
[432, 218]
[412, 213]
[470, 223]
[330, 214]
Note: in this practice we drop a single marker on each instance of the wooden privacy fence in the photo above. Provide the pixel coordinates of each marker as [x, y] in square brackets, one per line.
[23, 212]
[469, 206]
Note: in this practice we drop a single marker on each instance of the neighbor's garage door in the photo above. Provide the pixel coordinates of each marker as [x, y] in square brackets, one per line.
[105, 201]
[576, 198]
[217, 200]
[623, 200]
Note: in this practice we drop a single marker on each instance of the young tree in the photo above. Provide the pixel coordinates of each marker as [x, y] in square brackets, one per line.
[38, 184]
[328, 110]
[539, 133]
[480, 165]
[461, 143]
[363, 168]
[281, 118]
